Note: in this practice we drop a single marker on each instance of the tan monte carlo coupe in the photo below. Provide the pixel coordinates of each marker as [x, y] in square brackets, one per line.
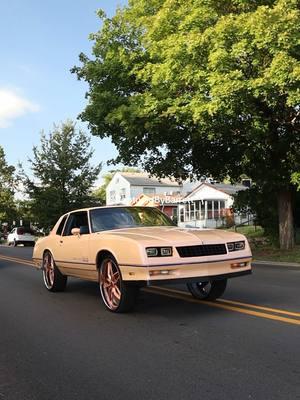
[125, 248]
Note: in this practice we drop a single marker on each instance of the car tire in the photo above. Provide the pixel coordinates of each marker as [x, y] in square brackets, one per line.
[15, 243]
[209, 290]
[54, 280]
[117, 296]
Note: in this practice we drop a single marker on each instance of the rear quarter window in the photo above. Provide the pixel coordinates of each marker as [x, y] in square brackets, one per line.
[61, 226]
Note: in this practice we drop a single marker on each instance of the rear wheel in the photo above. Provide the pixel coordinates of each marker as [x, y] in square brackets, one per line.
[209, 290]
[117, 296]
[54, 280]
[15, 243]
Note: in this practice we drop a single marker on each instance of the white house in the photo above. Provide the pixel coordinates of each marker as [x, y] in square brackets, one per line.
[125, 187]
[209, 206]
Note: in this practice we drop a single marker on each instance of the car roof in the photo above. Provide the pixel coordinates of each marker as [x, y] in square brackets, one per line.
[104, 207]
[96, 208]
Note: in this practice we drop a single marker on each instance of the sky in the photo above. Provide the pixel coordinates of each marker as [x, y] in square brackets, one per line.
[40, 42]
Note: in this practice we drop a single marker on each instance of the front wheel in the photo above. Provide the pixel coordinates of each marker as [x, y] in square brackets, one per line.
[117, 296]
[209, 290]
[54, 280]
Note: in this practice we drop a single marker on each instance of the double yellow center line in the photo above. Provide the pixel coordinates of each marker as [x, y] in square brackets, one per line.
[275, 314]
[231, 305]
[22, 261]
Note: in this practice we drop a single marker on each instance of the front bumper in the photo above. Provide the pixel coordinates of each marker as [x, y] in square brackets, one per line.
[187, 272]
[195, 279]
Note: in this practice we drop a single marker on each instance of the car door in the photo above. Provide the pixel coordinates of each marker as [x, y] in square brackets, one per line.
[73, 251]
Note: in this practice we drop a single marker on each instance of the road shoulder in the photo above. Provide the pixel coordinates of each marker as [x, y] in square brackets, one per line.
[281, 264]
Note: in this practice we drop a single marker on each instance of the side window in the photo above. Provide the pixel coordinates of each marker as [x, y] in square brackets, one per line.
[77, 220]
[61, 225]
[149, 190]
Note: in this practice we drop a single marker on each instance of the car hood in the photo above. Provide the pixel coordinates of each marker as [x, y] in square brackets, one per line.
[170, 234]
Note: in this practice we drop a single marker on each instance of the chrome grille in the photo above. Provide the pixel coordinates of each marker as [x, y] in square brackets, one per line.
[202, 250]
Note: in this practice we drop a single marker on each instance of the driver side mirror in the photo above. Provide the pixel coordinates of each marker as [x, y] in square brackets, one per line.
[75, 231]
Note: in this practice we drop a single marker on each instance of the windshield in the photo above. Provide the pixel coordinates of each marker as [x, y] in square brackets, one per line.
[103, 219]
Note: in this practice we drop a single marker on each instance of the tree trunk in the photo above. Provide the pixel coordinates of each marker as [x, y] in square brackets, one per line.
[286, 221]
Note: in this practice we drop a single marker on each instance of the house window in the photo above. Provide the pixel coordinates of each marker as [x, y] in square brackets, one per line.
[112, 195]
[187, 212]
[199, 211]
[192, 211]
[222, 208]
[149, 190]
[209, 209]
[181, 214]
[216, 210]
[122, 194]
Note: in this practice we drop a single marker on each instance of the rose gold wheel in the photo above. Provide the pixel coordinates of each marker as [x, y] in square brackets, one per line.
[53, 278]
[117, 295]
[110, 284]
[48, 270]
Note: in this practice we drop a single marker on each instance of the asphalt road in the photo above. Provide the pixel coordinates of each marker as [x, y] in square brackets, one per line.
[67, 346]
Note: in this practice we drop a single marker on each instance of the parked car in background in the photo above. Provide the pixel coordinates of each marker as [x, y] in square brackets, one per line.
[125, 248]
[21, 235]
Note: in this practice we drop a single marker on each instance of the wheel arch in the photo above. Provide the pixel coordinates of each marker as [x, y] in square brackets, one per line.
[101, 256]
[43, 255]
[47, 251]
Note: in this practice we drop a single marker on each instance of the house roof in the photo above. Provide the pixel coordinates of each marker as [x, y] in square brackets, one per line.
[222, 187]
[143, 179]
[227, 188]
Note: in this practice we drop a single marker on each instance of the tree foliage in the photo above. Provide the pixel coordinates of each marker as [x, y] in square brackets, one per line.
[63, 175]
[201, 86]
[7, 185]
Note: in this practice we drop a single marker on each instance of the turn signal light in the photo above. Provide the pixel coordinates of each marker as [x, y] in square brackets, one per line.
[159, 272]
[238, 265]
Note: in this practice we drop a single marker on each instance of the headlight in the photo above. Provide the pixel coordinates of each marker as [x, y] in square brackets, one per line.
[235, 246]
[152, 251]
[239, 245]
[230, 246]
[159, 251]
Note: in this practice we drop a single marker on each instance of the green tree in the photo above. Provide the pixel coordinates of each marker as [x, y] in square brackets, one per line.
[63, 175]
[100, 192]
[202, 86]
[7, 186]
[24, 211]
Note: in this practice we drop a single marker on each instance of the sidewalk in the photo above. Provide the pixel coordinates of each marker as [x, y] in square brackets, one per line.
[275, 264]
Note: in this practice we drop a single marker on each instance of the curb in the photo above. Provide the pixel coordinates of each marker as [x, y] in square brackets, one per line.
[275, 264]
